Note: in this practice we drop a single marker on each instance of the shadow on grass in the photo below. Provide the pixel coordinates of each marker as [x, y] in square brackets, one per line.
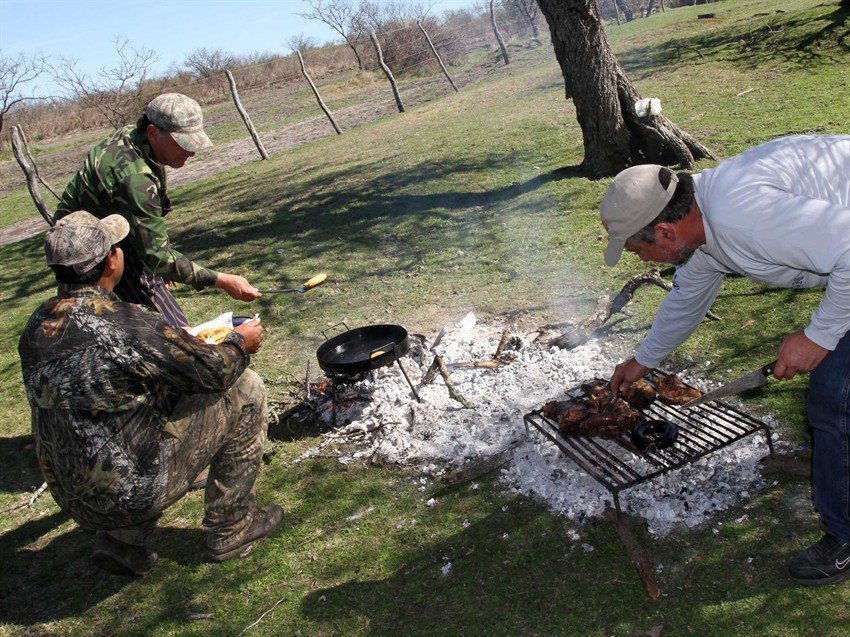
[18, 465]
[807, 38]
[35, 582]
[338, 213]
[518, 574]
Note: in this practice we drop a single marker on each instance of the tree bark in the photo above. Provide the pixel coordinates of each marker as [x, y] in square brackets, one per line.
[387, 71]
[319, 99]
[32, 184]
[245, 117]
[498, 35]
[436, 55]
[604, 98]
[627, 12]
[356, 54]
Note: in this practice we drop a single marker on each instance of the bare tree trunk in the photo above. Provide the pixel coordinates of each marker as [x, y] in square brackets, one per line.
[245, 117]
[316, 93]
[32, 161]
[387, 71]
[32, 184]
[356, 54]
[604, 98]
[662, 7]
[498, 35]
[627, 12]
[436, 55]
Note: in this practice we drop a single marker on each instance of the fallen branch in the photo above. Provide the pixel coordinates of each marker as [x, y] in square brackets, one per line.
[28, 502]
[608, 306]
[493, 363]
[625, 529]
[453, 393]
[260, 618]
[474, 470]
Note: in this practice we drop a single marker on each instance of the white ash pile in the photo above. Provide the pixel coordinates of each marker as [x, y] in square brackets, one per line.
[386, 424]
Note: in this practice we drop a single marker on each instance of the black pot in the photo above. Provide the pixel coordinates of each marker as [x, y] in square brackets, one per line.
[655, 434]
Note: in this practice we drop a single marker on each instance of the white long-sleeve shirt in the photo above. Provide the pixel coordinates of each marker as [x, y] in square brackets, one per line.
[778, 213]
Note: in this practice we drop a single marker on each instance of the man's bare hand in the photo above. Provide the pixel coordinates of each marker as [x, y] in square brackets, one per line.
[237, 287]
[253, 333]
[797, 354]
[626, 373]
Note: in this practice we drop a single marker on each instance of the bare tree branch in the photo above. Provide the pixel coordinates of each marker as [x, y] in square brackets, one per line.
[116, 91]
[16, 75]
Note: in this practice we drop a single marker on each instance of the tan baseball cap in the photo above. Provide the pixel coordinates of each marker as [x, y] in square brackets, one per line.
[81, 241]
[181, 116]
[634, 199]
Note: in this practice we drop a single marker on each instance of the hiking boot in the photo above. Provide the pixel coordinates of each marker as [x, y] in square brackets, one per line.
[825, 562]
[120, 558]
[264, 522]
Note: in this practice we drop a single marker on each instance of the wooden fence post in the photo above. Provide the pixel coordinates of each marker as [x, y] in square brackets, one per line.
[32, 161]
[244, 114]
[32, 184]
[498, 35]
[316, 93]
[436, 55]
[387, 71]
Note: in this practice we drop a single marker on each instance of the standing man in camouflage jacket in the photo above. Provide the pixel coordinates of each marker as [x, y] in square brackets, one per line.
[125, 174]
[126, 409]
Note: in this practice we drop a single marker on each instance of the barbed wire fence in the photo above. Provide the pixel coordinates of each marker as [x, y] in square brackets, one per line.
[409, 50]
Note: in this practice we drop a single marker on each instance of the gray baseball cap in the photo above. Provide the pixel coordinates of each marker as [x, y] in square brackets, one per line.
[181, 116]
[634, 199]
[81, 241]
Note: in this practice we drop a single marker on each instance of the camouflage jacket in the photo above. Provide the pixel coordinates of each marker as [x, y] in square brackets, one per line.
[102, 378]
[121, 175]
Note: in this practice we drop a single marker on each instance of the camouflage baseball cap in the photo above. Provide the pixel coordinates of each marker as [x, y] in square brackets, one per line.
[81, 241]
[182, 117]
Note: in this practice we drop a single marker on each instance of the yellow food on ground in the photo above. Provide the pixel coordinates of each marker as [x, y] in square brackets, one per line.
[217, 334]
[316, 280]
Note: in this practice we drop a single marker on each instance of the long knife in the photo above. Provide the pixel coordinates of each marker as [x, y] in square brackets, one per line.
[753, 380]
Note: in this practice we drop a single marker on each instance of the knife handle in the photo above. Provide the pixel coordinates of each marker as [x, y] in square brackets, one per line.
[767, 370]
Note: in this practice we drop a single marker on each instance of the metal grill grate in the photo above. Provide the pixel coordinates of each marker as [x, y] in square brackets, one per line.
[615, 462]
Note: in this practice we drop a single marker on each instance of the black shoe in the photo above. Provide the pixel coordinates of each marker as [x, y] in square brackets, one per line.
[264, 522]
[825, 562]
[120, 558]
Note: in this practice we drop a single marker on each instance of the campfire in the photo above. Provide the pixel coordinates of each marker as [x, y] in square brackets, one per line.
[488, 415]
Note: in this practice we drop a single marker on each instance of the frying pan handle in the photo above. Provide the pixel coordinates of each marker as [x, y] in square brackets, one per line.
[326, 330]
[389, 347]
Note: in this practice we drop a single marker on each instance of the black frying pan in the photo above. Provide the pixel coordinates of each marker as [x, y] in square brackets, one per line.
[363, 349]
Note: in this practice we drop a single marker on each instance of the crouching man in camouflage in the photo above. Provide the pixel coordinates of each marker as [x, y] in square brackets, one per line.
[126, 409]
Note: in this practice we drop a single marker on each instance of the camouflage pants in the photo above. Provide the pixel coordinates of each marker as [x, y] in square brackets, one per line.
[227, 432]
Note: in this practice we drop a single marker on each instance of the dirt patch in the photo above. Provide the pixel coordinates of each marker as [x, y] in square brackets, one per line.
[56, 166]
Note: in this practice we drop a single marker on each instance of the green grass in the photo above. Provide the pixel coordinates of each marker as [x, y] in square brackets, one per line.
[470, 202]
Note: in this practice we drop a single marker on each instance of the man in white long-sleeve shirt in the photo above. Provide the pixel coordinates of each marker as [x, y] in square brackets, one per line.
[778, 213]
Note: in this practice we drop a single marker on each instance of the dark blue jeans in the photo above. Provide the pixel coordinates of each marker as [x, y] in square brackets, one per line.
[829, 408]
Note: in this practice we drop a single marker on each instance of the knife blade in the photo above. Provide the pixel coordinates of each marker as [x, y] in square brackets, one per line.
[753, 380]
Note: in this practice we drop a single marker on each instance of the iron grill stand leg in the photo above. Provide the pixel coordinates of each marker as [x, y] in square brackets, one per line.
[412, 388]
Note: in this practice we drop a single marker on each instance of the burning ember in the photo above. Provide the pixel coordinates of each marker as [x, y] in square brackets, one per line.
[380, 421]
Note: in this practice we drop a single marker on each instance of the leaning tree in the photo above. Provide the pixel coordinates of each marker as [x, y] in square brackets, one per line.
[615, 136]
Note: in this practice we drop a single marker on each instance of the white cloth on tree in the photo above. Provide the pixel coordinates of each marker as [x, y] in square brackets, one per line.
[778, 213]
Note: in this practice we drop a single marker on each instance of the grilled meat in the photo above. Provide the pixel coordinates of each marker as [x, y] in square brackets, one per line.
[596, 412]
[673, 391]
[640, 394]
